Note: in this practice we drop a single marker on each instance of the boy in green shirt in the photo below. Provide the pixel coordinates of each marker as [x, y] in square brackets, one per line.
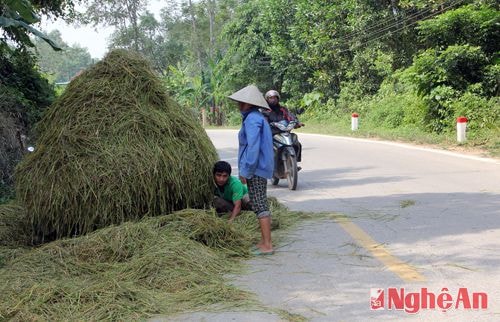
[230, 195]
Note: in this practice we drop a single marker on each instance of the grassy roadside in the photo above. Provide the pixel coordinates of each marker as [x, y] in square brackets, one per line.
[486, 143]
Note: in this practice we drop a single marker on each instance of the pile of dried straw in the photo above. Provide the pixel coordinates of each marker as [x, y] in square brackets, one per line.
[114, 147]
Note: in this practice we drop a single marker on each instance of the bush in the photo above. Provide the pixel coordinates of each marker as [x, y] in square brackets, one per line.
[457, 67]
[397, 103]
[351, 93]
[369, 68]
[233, 118]
[438, 110]
[491, 81]
[482, 113]
[442, 76]
[324, 111]
[396, 110]
[29, 93]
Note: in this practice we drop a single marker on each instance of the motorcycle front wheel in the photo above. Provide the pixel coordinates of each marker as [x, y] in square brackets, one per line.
[291, 171]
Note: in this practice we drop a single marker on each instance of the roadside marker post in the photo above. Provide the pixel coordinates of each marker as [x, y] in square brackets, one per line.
[461, 128]
[354, 121]
[204, 120]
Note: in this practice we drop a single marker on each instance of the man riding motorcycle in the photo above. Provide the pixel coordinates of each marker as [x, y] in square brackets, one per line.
[280, 113]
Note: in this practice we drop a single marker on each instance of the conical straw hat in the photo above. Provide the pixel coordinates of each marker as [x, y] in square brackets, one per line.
[250, 95]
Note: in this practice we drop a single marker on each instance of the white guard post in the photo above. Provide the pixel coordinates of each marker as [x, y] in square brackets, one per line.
[354, 121]
[204, 120]
[461, 128]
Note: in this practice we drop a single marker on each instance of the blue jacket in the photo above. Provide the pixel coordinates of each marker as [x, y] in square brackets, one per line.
[255, 153]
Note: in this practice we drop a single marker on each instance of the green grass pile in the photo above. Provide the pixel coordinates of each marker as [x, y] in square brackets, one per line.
[114, 147]
[158, 265]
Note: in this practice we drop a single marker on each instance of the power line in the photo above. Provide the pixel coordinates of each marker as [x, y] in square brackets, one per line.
[384, 21]
[451, 5]
[409, 24]
[388, 28]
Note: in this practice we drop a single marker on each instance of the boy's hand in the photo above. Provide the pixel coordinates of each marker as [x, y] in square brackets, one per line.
[243, 180]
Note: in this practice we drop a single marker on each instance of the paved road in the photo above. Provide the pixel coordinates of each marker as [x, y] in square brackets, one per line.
[415, 218]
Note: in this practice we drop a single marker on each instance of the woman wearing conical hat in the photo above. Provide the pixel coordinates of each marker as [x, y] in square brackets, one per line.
[256, 159]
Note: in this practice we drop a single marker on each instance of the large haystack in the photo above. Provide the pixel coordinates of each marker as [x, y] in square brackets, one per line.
[113, 148]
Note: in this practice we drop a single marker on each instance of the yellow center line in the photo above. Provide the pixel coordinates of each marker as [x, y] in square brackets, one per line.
[405, 271]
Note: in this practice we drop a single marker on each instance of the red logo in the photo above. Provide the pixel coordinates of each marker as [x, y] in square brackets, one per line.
[413, 302]
[377, 299]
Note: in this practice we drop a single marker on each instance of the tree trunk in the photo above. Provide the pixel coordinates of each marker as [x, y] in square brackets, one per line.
[132, 6]
[211, 17]
[194, 37]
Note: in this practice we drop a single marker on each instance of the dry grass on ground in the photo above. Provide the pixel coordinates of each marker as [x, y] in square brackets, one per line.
[158, 265]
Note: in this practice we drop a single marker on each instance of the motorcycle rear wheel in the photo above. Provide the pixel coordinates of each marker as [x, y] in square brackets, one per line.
[291, 171]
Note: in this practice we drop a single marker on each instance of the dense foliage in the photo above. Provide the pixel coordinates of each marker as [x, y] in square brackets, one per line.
[342, 53]
[24, 93]
[409, 64]
[336, 58]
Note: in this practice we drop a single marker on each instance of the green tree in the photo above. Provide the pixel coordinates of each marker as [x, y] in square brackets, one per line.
[24, 94]
[460, 63]
[190, 92]
[476, 25]
[246, 59]
[122, 14]
[18, 16]
[197, 64]
[162, 42]
[63, 65]
[312, 46]
[143, 38]
[443, 76]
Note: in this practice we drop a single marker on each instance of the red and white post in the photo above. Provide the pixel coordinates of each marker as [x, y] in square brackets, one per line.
[461, 128]
[354, 121]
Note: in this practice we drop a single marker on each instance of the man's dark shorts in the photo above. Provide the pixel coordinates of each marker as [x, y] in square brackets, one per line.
[223, 206]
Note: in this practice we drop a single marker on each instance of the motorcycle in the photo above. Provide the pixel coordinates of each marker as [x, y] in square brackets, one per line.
[287, 152]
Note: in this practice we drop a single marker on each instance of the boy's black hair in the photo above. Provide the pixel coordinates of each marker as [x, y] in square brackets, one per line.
[222, 166]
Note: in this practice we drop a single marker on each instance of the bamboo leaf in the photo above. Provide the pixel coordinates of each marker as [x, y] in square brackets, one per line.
[24, 9]
[9, 22]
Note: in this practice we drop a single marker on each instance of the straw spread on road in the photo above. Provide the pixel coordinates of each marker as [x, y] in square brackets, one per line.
[156, 266]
